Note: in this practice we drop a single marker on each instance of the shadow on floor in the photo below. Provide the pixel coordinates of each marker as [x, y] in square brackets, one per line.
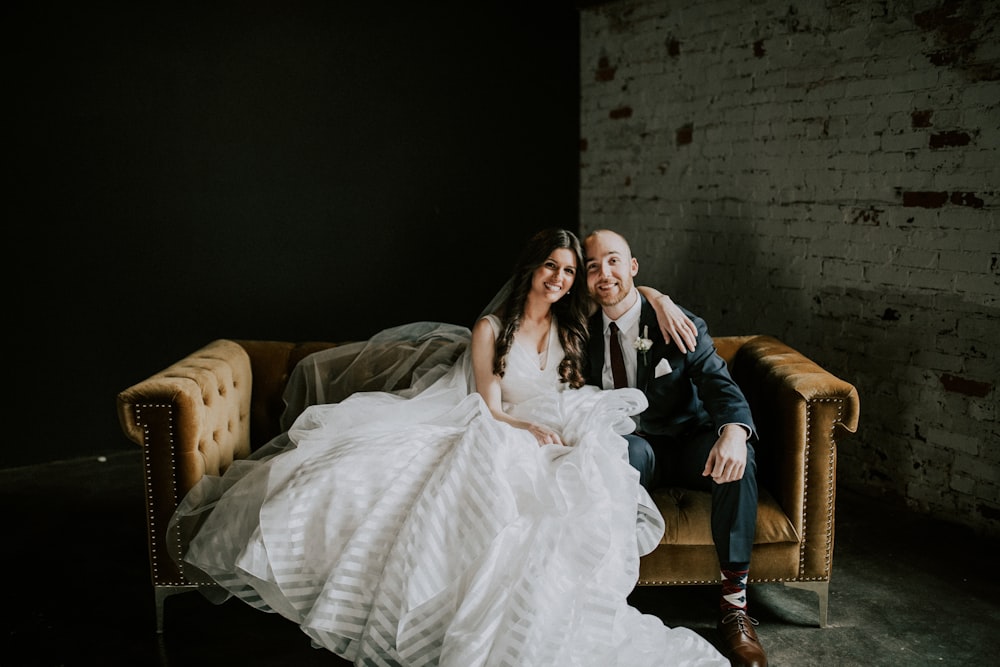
[905, 590]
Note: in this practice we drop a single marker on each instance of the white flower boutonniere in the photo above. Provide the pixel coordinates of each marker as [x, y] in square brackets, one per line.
[643, 343]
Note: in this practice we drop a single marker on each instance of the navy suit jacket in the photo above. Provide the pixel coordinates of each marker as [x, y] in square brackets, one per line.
[698, 392]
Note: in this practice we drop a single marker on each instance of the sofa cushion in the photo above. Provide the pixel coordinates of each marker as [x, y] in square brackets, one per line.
[687, 514]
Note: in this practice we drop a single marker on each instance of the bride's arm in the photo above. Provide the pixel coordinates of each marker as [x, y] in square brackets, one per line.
[488, 384]
[674, 324]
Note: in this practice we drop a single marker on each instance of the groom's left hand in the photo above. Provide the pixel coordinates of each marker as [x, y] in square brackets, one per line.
[728, 459]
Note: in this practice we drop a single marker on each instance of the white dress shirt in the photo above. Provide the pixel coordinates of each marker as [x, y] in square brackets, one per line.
[628, 332]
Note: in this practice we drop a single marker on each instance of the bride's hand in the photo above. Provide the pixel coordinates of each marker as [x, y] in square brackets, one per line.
[544, 435]
[674, 324]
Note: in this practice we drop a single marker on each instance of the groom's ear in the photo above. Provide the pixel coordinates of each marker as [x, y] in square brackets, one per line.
[635, 266]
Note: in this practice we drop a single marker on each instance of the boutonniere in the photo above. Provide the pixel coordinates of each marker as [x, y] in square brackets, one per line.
[643, 343]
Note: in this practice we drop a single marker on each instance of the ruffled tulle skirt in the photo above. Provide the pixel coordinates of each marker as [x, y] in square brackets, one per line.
[413, 532]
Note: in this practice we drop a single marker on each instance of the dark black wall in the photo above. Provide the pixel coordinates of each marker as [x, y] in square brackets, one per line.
[182, 172]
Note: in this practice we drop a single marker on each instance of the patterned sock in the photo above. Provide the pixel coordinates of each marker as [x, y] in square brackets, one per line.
[734, 588]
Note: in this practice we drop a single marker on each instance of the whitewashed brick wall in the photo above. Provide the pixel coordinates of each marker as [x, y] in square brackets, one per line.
[828, 173]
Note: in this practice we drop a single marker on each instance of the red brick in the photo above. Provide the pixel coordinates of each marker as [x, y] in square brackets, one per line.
[685, 134]
[944, 139]
[605, 72]
[966, 199]
[925, 199]
[921, 118]
[965, 386]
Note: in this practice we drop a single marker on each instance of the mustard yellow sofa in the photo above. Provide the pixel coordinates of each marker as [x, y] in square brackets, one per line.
[224, 400]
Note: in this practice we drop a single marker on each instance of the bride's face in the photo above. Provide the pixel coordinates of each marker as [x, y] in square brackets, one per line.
[555, 276]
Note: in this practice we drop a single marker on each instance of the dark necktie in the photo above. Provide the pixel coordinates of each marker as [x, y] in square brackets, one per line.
[617, 360]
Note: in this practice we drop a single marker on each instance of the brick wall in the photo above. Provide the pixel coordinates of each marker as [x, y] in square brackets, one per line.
[826, 172]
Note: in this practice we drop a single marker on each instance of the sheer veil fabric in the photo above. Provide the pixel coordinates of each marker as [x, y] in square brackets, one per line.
[409, 527]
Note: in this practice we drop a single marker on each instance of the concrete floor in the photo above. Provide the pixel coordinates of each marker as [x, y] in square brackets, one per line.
[905, 590]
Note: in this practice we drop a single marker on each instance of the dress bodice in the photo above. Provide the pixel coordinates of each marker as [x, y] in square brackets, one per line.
[529, 374]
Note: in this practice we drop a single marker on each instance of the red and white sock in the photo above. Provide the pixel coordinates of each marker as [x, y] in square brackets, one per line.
[734, 590]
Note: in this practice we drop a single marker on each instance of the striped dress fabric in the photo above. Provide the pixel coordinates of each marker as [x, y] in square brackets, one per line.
[417, 530]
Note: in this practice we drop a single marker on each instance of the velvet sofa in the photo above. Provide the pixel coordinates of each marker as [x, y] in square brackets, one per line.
[224, 400]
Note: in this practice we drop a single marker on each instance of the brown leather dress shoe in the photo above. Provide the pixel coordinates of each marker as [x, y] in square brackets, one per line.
[739, 639]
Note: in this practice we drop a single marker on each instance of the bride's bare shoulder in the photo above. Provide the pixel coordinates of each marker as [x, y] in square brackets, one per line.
[485, 329]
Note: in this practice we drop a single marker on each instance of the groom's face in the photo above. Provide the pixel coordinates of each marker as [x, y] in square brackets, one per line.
[610, 268]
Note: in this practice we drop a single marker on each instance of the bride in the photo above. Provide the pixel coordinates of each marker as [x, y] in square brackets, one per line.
[485, 515]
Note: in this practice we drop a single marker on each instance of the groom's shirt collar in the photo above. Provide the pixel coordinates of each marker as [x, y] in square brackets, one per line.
[628, 323]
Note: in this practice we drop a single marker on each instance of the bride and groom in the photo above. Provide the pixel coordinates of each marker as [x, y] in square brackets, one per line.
[486, 515]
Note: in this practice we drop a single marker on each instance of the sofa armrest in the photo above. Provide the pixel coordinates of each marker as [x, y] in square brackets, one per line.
[203, 401]
[191, 419]
[800, 410]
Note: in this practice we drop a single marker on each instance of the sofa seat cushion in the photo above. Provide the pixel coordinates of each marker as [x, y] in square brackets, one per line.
[687, 515]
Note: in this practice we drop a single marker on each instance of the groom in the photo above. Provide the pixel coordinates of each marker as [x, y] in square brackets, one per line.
[696, 432]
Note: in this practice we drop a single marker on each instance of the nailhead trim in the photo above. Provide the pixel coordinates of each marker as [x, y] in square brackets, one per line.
[831, 471]
[149, 487]
[829, 516]
[805, 489]
[699, 582]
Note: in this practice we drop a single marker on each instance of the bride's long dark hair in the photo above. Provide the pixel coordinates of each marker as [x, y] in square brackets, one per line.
[571, 311]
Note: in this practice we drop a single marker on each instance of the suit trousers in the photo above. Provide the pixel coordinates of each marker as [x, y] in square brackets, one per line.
[679, 461]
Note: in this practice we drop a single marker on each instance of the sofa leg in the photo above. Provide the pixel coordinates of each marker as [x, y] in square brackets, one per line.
[161, 593]
[821, 589]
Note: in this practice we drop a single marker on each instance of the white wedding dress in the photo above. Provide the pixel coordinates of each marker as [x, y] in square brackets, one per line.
[412, 528]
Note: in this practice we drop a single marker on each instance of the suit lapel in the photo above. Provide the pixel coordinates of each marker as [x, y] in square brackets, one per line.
[645, 362]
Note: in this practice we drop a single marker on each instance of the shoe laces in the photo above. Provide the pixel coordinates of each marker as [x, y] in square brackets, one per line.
[741, 618]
